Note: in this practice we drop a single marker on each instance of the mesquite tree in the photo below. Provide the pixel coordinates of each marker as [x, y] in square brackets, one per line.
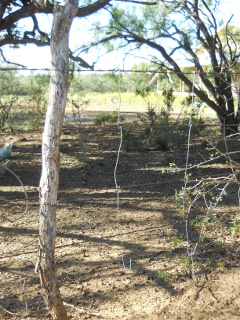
[11, 12]
[58, 40]
[188, 30]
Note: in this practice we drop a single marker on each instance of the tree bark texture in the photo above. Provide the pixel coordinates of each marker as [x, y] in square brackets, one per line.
[63, 17]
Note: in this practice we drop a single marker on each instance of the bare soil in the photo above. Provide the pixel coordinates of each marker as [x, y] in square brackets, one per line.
[126, 263]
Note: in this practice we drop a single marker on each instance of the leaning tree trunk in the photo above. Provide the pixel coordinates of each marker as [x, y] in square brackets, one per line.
[45, 266]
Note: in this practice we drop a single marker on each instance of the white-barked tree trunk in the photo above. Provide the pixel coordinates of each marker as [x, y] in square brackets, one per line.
[63, 17]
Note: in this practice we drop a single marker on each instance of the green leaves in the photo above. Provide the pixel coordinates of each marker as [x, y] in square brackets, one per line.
[163, 275]
[177, 241]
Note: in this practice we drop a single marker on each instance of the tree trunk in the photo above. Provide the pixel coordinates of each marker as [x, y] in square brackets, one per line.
[45, 266]
[229, 124]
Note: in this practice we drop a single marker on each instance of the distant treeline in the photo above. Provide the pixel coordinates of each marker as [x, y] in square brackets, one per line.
[93, 82]
[99, 82]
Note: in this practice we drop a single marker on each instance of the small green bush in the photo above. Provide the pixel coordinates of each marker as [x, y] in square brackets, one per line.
[104, 117]
[9, 94]
[159, 133]
[38, 101]
[101, 118]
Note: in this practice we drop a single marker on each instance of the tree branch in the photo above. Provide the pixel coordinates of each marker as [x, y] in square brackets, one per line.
[9, 62]
[80, 61]
[148, 3]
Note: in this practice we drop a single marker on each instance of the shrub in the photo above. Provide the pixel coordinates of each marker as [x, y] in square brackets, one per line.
[104, 117]
[101, 118]
[77, 98]
[159, 133]
[38, 100]
[9, 93]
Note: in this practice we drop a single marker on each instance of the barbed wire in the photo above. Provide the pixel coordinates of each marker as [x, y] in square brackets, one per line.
[211, 73]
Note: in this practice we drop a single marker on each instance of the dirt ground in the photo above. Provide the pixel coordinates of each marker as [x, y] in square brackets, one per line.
[126, 263]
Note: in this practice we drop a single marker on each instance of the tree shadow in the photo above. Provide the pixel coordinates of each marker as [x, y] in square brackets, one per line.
[101, 239]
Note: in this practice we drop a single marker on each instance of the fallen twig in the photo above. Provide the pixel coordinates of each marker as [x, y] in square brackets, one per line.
[88, 311]
[15, 313]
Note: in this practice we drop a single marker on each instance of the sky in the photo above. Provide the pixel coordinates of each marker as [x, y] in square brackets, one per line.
[36, 57]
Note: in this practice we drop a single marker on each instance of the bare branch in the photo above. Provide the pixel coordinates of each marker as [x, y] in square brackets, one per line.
[80, 61]
[148, 3]
[9, 62]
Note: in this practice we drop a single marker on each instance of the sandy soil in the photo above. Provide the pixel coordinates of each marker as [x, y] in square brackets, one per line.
[97, 244]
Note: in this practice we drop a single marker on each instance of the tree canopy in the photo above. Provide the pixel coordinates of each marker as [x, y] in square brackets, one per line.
[176, 31]
[14, 12]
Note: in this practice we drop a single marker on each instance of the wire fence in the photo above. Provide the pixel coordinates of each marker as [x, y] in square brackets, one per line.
[145, 71]
[151, 182]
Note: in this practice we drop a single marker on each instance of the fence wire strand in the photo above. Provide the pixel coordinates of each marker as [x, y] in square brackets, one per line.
[147, 71]
[185, 216]
[115, 172]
